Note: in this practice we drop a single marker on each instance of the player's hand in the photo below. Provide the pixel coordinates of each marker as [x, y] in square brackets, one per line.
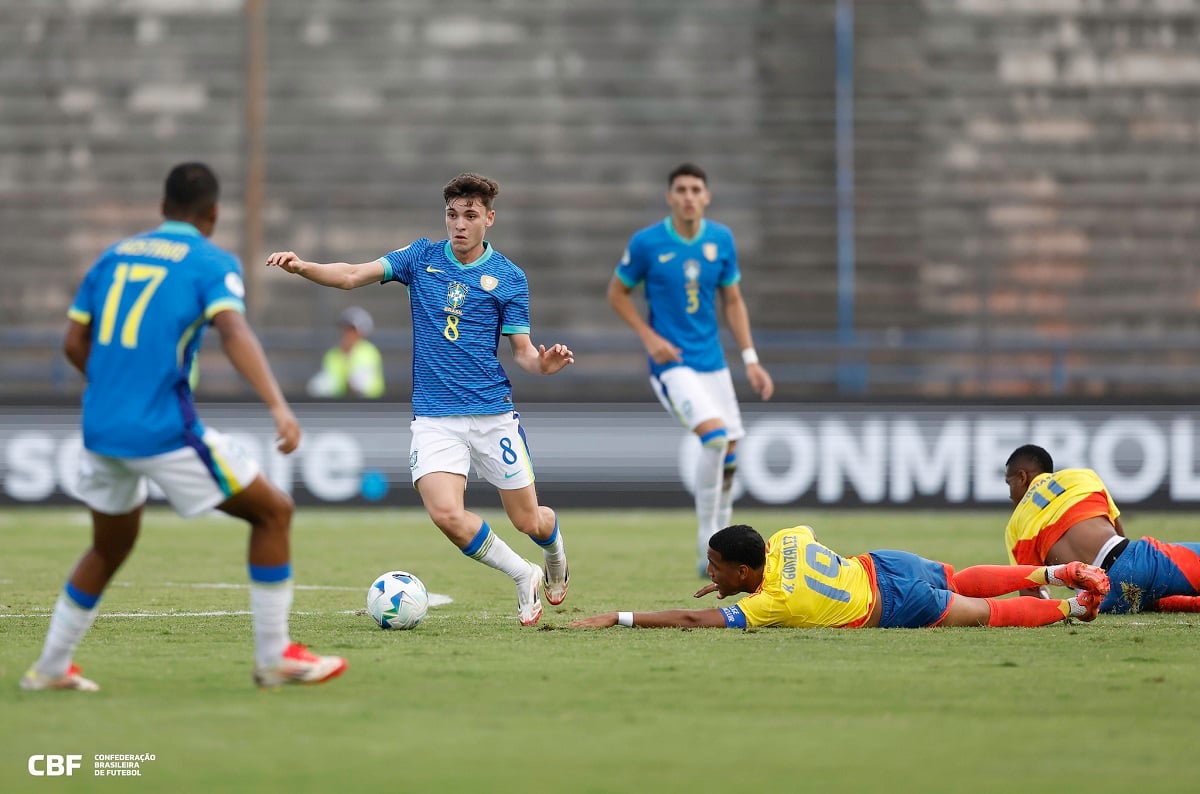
[662, 351]
[287, 430]
[595, 622]
[285, 260]
[708, 588]
[554, 358]
[760, 381]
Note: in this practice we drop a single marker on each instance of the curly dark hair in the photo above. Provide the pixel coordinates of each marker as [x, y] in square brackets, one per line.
[740, 544]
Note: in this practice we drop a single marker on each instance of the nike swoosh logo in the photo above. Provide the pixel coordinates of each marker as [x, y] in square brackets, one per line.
[432, 269]
[510, 475]
[666, 257]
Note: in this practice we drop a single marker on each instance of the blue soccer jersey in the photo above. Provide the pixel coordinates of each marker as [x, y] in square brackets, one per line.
[682, 278]
[147, 300]
[459, 313]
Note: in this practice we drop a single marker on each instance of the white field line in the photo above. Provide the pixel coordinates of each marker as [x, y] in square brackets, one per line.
[435, 600]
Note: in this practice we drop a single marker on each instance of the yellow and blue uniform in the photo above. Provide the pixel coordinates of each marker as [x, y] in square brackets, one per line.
[807, 585]
[459, 313]
[147, 300]
[1146, 569]
[1052, 505]
[682, 278]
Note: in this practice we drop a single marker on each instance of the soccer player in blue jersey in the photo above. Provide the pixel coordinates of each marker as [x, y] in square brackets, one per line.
[685, 262]
[464, 295]
[134, 330]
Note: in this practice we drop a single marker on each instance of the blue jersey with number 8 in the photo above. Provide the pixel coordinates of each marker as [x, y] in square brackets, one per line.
[146, 301]
[459, 313]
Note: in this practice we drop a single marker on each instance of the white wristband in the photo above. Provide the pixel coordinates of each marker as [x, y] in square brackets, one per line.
[625, 619]
[749, 356]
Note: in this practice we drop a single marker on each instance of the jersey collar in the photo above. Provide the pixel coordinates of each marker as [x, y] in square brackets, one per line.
[485, 256]
[677, 237]
[179, 227]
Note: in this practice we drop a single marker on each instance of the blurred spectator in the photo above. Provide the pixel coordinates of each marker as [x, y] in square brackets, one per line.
[354, 368]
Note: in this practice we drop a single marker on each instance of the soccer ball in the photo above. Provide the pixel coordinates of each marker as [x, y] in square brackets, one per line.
[397, 600]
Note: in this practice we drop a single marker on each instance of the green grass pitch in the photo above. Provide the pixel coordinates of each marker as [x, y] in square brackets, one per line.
[471, 702]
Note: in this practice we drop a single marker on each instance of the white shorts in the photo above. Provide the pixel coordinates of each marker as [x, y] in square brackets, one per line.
[696, 397]
[193, 481]
[495, 443]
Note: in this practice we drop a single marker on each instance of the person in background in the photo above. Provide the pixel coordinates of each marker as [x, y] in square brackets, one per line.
[354, 368]
[689, 268]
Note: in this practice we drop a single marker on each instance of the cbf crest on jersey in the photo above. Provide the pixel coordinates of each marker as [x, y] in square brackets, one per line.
[456, 296]
[710, 252]
[691, 270]
[488, 283]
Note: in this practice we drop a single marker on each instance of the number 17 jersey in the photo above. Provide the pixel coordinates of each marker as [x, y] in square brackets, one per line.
[146, 301]
[459, 313]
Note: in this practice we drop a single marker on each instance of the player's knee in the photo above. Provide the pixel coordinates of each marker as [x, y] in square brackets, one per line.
[446, 517]
[276, 512]
[715, 437]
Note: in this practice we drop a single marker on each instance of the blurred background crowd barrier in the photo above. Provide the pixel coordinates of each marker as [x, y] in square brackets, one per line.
[932, 198]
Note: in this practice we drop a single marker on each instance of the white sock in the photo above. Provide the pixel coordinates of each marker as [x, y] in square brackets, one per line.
[710, 470]
[68, 624]
[270, 606]
[553, 550]
[1052, 576]
[490, 549]
[725, 509]
[1077, 610]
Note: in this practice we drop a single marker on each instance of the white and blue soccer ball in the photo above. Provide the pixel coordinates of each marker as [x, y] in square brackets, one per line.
[397, 600]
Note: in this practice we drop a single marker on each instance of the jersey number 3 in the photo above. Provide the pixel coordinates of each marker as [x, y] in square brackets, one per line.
[152, 276]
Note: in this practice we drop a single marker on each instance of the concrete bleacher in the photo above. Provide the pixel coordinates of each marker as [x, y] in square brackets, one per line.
[1020, 167]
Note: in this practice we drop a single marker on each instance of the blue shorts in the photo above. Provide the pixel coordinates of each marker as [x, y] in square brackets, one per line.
[1148, 570]
[913, 591]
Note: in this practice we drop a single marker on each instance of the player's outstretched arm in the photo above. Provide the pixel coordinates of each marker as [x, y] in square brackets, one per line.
[341, 275]
[540, 360]
[666, 619]
[77, 345]
[244, 352]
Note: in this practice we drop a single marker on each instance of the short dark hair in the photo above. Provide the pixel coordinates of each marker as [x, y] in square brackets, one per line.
[191, 189]
[1033, 455]
[687, 169]
[740, 544]
[471, 186]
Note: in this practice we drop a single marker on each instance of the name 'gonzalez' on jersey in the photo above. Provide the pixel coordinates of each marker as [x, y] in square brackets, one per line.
[459, 313]
[682, 278]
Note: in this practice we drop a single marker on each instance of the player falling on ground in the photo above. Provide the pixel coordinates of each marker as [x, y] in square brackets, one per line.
[464, 295]
[1066, 515]
[686, 262]
[135, 327]
[795, 581]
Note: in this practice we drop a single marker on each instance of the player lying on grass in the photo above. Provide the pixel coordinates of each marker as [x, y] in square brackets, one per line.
[1068, 515]
[795, 581]
[135, 328]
